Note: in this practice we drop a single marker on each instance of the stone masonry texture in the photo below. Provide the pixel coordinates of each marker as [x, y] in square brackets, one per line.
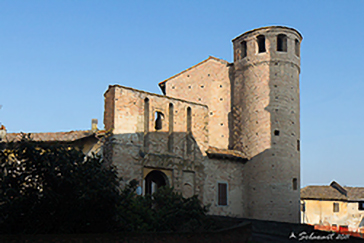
[249, 106]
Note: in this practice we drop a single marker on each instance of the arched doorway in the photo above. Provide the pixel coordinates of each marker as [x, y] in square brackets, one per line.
[154, 180]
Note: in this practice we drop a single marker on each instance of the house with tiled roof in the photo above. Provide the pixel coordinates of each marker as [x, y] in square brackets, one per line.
[88, 140]
[333, 205]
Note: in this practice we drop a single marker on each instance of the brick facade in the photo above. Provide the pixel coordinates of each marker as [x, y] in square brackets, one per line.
[219, 123]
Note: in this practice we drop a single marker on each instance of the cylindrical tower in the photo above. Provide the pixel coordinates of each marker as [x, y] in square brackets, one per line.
[266, 120]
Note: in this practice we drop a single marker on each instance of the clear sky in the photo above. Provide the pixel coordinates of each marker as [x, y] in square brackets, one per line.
[57, 58]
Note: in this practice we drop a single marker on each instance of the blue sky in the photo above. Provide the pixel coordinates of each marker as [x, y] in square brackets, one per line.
[57, 58]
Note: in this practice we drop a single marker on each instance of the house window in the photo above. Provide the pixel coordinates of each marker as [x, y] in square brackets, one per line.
[222, 194]
[282, 43]
[361, 206]
[261, 43]
[336, 207]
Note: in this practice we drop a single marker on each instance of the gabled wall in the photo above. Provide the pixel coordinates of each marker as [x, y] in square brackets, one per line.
[207, 83]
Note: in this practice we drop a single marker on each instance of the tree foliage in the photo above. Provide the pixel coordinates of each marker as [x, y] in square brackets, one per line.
[54, 188]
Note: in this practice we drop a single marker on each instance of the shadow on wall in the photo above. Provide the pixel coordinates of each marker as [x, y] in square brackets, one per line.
[176, 156]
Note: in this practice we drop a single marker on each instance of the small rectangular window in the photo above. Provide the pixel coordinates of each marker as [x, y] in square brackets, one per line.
[336, 207]
[294, 183]
[361, 206]
[222, 194]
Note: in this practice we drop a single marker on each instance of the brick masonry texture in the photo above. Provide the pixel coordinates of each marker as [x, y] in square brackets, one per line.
[251, 106]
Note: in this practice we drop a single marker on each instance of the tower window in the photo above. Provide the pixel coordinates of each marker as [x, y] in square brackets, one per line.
[159, 117]
[282, 43]
[294, 184]
[222, 194]
[297, 47]
[243, 49]
[261, 43]
[298, 145]
[276, 132]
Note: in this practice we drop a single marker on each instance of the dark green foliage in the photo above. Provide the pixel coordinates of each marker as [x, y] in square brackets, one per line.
[165, 210]
[48, 188]
[55, 189]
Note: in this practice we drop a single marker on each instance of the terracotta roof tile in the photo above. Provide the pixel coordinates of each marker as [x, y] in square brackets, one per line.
[53, 136]
[213, 152]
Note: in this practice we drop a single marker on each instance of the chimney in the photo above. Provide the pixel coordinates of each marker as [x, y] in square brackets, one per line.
[94, 125]
[337, 186]
[2, 132]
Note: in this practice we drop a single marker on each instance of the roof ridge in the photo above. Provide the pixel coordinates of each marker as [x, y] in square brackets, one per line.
[198, 64]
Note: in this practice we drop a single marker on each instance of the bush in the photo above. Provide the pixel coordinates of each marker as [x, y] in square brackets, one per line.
[165, 210]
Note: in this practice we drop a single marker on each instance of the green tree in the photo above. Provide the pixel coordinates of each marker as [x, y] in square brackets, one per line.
[55, 189]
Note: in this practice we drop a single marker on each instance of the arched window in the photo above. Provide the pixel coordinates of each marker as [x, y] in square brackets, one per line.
[159, 117]
[261, 43]
[146, 123]
[297, 47]
[189, 130]
[243, 49]
[282, 43]
[170, 132]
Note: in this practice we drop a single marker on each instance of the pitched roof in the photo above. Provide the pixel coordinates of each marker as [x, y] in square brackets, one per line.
[54, 136]
[332, 193]
[213, 152]
[196, 65]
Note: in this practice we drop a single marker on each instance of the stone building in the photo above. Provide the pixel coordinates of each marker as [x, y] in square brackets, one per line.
[227, 132]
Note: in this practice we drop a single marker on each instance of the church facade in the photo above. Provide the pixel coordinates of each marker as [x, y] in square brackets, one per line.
[227, 132]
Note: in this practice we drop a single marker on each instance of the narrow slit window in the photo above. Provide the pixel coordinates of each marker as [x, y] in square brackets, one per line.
[282, 43]
[146, 123]
[146, 115]
[189, 130]
[159, 117]
[261, 43]
[222, 194]
[298, 145]
[243, 49]
[294, 184]
[170, 135]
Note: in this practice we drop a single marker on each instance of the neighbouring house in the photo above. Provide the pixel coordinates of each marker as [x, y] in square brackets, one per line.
[333, 205]
[88, 140]
[227, 132]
